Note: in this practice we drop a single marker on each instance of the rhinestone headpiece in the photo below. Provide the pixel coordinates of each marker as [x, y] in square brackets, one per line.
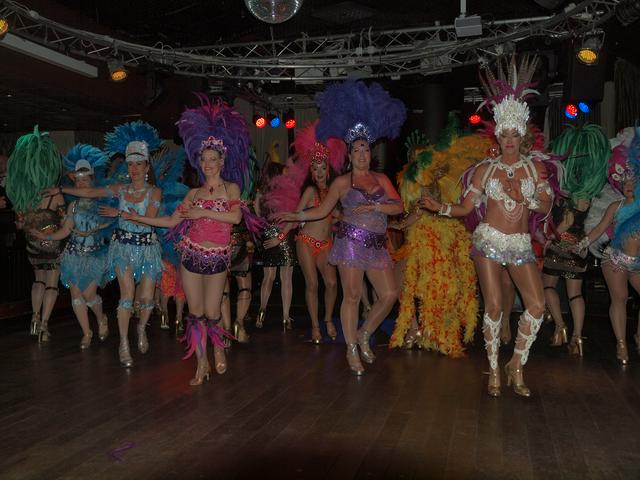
[137, 150]
[359, 130]
[320, 153]
[511, 114]
[212, 143]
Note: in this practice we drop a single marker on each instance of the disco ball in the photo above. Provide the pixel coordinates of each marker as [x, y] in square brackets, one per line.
[273, 11]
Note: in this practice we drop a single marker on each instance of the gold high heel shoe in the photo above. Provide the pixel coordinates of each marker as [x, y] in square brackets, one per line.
[413, 338]
[203, 372]
[331, 330]
[518, 387]
[575, 346]
[621, 352]
[316, 335]
[103, 327]
[559, 337]
[287, 323]
[365, 349]
[493, 387]
[35, 324]
[260, 319]
[353, 359]
[220, 359]
[86, 341]
[240, 333]
[164, 320]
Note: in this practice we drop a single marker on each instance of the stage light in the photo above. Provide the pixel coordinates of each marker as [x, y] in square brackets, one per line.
[474, 119]
[117, 72]
[274, 120]
[584, 107]
[259, 121]
[4, 27]
[289, 119]
[588, 52]
[571, 111]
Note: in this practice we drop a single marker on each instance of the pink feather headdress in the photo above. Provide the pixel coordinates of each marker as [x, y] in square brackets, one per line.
[284, 192]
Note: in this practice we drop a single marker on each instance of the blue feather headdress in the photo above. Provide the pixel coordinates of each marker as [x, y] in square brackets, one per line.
[127, 133]
[82, 151]
[628, 217]
[217, 126]
[352, 110]
[168, 169]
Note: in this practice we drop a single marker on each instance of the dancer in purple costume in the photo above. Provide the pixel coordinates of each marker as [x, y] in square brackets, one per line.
[360, 115]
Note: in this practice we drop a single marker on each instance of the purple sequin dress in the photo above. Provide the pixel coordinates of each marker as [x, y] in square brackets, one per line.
[360, 240]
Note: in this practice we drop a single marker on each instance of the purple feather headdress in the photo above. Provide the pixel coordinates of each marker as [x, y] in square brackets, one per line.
[352, 110]
[217, 126]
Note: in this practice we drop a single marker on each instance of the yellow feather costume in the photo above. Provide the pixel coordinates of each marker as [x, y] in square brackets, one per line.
[439, 272]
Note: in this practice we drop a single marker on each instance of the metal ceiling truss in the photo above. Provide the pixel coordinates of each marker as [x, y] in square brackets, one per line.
[367, 54]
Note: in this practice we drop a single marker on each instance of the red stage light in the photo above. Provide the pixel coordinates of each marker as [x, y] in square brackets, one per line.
[474, 119]
[259, 121]
[291, 123]
[571, 111]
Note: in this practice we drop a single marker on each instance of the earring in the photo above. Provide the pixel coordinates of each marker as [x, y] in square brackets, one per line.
[146, 177]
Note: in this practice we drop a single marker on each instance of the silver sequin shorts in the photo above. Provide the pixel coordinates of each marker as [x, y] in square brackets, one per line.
[504, 248]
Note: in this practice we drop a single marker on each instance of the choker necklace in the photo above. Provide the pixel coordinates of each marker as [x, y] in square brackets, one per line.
[510, 169]
[214, 187]
[136, 191]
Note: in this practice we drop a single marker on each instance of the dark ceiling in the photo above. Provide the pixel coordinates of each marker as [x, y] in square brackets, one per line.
[34, 92]
[203, 22]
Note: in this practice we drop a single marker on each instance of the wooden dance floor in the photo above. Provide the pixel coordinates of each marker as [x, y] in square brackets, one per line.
[286, 409]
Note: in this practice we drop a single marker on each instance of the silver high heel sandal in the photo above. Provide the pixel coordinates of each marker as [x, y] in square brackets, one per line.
[86, 341]
[353, 359]
[125, 354]
[365, 350]
[143, 342]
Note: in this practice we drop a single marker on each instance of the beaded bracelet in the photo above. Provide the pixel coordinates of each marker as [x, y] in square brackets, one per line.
[445, 210]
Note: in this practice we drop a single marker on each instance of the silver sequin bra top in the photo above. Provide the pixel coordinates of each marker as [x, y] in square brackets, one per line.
[495, 191]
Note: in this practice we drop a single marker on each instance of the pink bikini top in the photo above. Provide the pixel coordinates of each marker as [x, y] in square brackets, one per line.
[208, 229]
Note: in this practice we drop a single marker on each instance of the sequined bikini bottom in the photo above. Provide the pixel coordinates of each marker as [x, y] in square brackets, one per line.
[620, 261]
[504, 248]
[203, 260]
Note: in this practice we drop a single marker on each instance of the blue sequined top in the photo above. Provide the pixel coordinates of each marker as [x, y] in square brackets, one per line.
[139, 207]
[85, 236]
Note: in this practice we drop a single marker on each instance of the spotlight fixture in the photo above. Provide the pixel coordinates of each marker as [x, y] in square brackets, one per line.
[274, 120]
[117, 72]
[259, 120]
[289, 119]
[588, 52]
[584, 107]
[571, 111]
[4, 27]
[474, 119]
